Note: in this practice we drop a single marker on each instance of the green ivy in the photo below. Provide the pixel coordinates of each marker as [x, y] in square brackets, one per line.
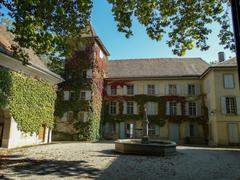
[30, 101]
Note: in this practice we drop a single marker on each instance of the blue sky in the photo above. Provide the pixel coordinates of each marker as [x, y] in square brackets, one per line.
[140, 45]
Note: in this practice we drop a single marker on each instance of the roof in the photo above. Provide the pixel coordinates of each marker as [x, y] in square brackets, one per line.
[228, 63]
[156, 67]
[6, 40]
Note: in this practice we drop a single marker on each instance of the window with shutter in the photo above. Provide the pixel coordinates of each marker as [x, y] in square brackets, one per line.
[173, 108]
[130, 108]
[113, 90]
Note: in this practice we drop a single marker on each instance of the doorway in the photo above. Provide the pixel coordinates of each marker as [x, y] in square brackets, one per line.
[233, 135]
[1, 133]
[174, 132]
[41, 134]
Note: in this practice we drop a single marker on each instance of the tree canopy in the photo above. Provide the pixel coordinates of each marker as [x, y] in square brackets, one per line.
[47, 25]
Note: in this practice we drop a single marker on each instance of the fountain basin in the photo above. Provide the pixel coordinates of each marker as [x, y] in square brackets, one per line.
[154, 147]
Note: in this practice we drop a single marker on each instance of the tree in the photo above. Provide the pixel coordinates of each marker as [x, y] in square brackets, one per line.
[46, 26]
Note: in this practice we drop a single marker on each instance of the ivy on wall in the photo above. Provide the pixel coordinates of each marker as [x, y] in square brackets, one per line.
[30, 101]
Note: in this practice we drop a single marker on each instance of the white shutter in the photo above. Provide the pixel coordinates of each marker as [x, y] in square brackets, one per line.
[124, 90]
[167, 89]
[156, 108]
[108, 90]
[135, 89]
[117, 107]
[238, 105]
[66, 95]
[89, 73]
[124, 107]
[223, 105]
[179, 109]
[157, 89]
[88, 95]
[187, 109]
[197, 89]
[145, 89]
[179, 89]
[135, 108]
[167, 108]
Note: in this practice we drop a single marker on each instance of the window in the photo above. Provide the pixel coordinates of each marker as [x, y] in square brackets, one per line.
[84, 74]
[72, 95]
[112, 127]
[231, 105]
[82, 116]
[192, 108]
[130, 89]
[191, 89]
[173, 108]
[66, 95]
[172, 89]
[68, 116]
[228, 81]
[129, 107]
[151, 129]
[113, 90]
[151, 89]
[113, 108]
[152, 108]
[83, 95]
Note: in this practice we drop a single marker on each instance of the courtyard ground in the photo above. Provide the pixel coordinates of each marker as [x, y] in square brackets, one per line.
[98, 161]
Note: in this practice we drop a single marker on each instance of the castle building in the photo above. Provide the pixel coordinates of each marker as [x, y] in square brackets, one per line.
[187, 100]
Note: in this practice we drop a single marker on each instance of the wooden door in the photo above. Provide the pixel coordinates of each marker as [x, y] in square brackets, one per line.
[1, 133]
[174, 132]
[233, 135]
[41, 133]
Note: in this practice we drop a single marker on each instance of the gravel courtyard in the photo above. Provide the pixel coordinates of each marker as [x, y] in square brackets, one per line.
[98, 161]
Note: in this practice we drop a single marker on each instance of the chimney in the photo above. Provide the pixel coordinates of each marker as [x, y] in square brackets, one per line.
[221, 56]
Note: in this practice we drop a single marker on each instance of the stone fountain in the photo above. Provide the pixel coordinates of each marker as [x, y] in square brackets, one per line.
[145, 146]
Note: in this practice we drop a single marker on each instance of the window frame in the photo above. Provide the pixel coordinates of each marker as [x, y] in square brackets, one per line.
[130, 107]
[224, 84]
[172, 91]
[151, 89]
[84, 74]
[131, 90]
[192, 109]
[231, 108]
[72, 95]
[113, 89]
[191, 89]
[172, 108]
[85, 96]
[113, 108]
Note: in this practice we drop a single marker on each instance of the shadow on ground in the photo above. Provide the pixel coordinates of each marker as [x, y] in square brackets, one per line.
[24, 167]
[189, 163]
